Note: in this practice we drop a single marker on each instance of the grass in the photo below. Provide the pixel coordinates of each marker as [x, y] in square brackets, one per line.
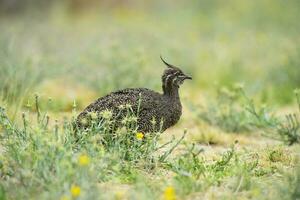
[40, 159]
[227, 112]
[232, 142]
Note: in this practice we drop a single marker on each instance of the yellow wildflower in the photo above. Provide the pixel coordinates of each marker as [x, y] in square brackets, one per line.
[139, 135]
[83, 160]
[75, 191]
[119, 195]
[64, 198]
[169, 193]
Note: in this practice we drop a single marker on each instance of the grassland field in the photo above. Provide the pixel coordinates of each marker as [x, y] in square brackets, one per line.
[238, 137]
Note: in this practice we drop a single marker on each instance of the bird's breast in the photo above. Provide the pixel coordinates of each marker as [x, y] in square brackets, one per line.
[172, 115]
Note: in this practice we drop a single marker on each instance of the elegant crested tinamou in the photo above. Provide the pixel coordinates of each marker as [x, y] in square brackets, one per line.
[155, 112]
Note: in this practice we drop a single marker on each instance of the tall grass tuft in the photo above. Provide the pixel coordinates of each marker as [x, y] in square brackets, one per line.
[286, 129]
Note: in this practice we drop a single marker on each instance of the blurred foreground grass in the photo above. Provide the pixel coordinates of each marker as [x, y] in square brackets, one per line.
[65, 55]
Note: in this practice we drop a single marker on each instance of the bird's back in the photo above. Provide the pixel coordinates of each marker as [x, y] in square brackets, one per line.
[124, 97]
[149, 106]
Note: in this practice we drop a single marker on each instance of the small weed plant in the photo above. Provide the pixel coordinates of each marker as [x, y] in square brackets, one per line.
[228, 113]
[234, 111]
[286, 129]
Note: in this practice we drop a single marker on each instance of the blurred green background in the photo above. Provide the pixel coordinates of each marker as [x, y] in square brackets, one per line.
[83, 49]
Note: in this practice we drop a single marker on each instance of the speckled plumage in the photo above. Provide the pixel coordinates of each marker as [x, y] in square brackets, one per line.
[155, 111]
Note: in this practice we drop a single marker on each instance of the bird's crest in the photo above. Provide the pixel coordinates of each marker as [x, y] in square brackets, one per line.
[169, 65]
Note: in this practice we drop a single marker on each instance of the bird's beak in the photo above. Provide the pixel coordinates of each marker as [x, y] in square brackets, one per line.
[187, 77]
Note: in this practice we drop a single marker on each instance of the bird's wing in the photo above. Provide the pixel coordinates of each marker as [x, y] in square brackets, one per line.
[125, 97]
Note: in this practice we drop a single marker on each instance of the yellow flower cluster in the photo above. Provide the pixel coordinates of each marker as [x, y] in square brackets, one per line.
[119, 195]
[169, 193]
[83, 160]
[64, 198]
[139, 135]
[75, 191]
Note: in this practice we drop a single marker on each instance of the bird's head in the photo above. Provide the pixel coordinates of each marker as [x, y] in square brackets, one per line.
[173, 77]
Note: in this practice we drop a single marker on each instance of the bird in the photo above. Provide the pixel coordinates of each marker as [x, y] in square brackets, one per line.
[154, 111]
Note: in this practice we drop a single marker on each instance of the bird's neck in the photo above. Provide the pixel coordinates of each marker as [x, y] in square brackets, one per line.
[171, 91]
